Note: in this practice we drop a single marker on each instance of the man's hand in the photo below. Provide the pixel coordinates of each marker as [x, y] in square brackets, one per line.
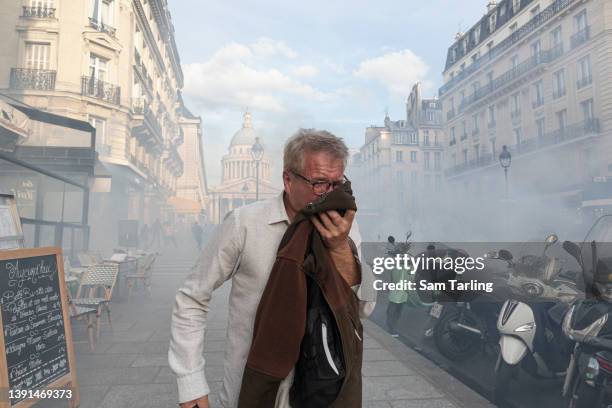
[201, 402]
[334, 230]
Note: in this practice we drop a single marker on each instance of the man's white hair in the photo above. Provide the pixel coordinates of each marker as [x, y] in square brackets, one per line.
[310, 141]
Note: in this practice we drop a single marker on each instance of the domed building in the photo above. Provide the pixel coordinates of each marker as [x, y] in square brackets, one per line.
[239, 184]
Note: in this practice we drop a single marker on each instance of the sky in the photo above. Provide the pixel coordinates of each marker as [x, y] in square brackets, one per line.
[335, 65]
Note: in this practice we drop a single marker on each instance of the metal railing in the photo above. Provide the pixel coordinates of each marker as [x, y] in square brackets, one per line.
[39, 79]
[566, 134]
[513, 74]
[38, 12]
[532, 25]
[580, 37]
[90, 86]
[537, 103]
[139, 106]
[102, 27]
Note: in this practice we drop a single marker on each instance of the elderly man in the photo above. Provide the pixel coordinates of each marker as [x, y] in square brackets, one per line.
[243, 249]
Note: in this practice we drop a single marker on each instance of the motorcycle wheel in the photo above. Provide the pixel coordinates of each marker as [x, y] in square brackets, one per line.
[583, 396]
[452, 344]
[503, 376]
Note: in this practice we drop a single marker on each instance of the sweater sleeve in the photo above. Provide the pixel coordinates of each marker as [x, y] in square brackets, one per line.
[218, 261]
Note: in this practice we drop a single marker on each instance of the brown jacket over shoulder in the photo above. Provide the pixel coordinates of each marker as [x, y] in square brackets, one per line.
[281, 316]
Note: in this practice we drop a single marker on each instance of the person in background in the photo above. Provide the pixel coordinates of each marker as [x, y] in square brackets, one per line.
[196, 230]
[156, 233]
[397, 298]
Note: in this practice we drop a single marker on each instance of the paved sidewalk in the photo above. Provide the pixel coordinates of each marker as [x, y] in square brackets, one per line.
[129, 367]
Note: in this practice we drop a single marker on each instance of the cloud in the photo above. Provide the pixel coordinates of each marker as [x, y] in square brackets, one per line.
[305, 71]
[239, 75]
[396, 71]
[267, 47]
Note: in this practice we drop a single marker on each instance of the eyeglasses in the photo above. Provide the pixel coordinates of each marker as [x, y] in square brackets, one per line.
[321, 187]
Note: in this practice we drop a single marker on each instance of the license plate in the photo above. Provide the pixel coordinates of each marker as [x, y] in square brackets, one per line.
[436, 310]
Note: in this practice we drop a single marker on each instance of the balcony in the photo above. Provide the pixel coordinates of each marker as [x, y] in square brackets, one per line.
[513, 75]
[38, 79]
[580, 37]
[94, 88]
[431, 146]
[546, 15]
[102, 27]
[585, 81]
[38, 12]
[557, 137]
[146, 126]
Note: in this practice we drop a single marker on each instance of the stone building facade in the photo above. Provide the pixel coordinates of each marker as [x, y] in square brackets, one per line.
[115, 64]
[399, 167]
[532, 75]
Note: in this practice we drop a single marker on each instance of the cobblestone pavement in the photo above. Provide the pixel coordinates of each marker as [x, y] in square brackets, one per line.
[129, 367]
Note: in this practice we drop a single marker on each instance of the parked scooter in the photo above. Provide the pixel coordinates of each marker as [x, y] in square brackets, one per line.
[529, 323]
[589, 322]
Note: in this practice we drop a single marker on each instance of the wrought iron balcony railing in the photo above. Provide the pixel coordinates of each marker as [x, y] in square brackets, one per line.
[580, 37]
[546, 15]
[39, 79]
[582, 129]
[585, 81]
[38, 12]
[537, 103]
[102, 27]
[90, 86]
[139, 106]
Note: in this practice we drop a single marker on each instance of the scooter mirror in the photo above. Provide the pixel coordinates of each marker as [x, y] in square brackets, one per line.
[492, 255]
[572, 249]
[551, 239]
[505, 255]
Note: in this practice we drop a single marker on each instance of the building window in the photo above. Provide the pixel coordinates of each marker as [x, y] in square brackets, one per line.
[581, 21]
[413, 156]
[516, 5]
[426, 160]
[463, 130]
[453, 137]
[493, 151]
[97, 67]
[538, 89]
[37, 55]
[536, 49]
[465, 156]
[562, 119]
[437, 161]
[491, 115]
[556, 40]
[492, 22]
[534, 11]
[413, 138]
[477, 152]
[540, 128]
[585, 76]
[426, 137]
[516, 105]
[518, 136]
[475, 129]
[399, 156]
[102, 11]
[587, 110]
[514, 61]
[100, 125]
[559, 84]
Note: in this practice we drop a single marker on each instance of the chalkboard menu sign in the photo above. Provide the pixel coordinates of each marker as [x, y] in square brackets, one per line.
[36, 337]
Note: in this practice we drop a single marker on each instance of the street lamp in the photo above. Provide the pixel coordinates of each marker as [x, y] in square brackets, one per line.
[257, 152]
[505, 159]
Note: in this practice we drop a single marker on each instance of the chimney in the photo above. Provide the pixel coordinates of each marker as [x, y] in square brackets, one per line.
[491, 6]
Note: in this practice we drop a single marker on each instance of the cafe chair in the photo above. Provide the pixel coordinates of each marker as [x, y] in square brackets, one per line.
[142, 274]
[96, 289]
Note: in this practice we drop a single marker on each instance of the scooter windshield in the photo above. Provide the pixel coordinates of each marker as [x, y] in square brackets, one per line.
[596, 254]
